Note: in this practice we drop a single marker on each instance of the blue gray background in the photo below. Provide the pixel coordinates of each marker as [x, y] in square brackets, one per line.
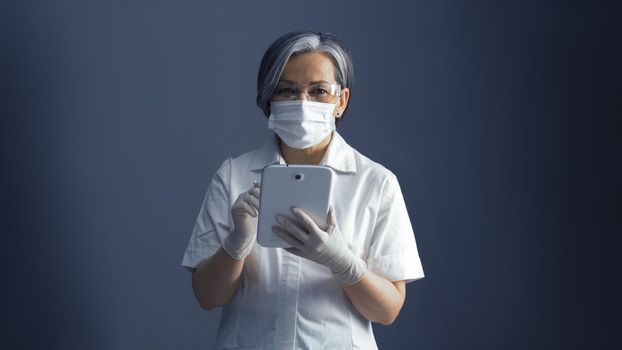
[498, 117]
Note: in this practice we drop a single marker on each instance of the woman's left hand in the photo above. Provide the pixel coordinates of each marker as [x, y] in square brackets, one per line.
[324, 245]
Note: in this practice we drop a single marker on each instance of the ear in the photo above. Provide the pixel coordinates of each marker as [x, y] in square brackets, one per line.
[343, 102]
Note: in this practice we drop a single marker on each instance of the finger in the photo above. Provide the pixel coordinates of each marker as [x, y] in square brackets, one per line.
[254, 192]
[249, 209]
[252, 201]
[292, 228]
[307, 221]
[244, 207]
[330, 220]
[285, 236]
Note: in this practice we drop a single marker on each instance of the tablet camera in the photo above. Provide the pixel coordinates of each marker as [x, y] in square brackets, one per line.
[298, 176]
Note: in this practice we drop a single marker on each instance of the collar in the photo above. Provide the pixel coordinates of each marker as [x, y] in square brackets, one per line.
[339, 155]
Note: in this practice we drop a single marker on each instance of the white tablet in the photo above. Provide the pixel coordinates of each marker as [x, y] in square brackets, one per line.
[284, 186]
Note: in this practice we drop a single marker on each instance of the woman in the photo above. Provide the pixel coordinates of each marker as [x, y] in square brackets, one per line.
[342, 274]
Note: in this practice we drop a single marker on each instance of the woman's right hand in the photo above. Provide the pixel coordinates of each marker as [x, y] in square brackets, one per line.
[245, 210]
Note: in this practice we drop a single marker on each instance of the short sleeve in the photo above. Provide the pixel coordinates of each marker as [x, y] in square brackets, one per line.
[212, 225]
[393, 251]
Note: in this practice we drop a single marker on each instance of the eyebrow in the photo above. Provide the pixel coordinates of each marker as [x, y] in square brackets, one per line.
[313, 82]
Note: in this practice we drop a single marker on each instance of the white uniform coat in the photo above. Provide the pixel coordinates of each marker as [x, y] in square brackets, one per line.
[288, 302]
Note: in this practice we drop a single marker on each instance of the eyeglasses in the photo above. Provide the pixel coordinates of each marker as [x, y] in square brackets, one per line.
[318, 92]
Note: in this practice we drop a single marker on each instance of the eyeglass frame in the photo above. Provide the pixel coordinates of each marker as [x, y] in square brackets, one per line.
[305, 88]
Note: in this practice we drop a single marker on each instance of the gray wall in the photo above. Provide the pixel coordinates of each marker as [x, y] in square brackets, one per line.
[115, 114]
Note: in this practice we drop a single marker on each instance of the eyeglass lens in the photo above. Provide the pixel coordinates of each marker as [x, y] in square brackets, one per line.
[321, 92]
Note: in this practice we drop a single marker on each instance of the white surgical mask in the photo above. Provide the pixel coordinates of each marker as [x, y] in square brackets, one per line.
[302, 123]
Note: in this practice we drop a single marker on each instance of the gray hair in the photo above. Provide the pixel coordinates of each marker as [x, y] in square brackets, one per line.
[295, 43]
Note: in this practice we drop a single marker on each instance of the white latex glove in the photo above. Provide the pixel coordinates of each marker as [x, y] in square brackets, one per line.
[324, 245]
[239, 242]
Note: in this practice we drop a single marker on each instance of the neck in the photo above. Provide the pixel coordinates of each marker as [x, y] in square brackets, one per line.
[311, 155]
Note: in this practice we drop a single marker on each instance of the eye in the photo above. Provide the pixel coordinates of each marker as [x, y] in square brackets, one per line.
[285, 90]
[318, 91]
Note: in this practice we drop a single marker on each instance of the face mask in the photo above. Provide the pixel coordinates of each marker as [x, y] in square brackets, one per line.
[301, 123]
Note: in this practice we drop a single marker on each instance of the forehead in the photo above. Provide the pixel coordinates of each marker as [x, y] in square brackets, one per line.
[309, 67]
